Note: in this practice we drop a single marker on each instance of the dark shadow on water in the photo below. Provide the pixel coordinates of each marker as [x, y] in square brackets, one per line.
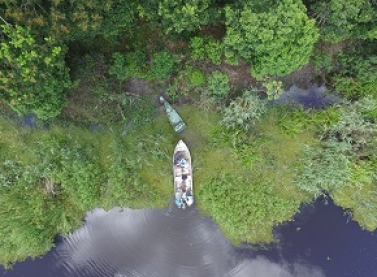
[313, 97]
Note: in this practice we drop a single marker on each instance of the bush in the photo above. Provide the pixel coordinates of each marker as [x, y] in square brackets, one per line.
[358, 75]
[356, 127]
[33, 74]
[187, 81]
[256, 207]
[206, 48]
[129, 65]
[273, 88]
[163, 65]
[295, 121]
[196, 78]
[323, 170]
[244, 111]
[218, 85]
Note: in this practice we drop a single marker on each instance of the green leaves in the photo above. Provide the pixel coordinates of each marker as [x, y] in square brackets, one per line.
[207, 48]
[339, 19]
[244, 111]
[255, 206]
[218, 85]
[33, 74]
[186, 16]
[276, 41]
[163, 65]
[129, 65]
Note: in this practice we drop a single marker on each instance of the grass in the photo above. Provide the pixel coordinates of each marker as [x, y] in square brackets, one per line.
[280, 153]
[259, 166]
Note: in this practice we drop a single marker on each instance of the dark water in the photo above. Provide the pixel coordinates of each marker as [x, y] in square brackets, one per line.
[123, 242]
[313, 97]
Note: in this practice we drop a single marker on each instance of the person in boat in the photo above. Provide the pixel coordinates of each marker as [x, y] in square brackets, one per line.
[183, 186]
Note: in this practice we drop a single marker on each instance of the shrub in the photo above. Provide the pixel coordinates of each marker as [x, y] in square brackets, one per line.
[273, 88]
[323, 170]
[244, 111]
[163, 64]
[218, 85]
[355, 128]
[196, 78]
[298, 120]
[206, 48]
[189, 80]
[198, 51]
[214, 50]
[33, 74]
[358, 76]
[256, 207]
[129, 65]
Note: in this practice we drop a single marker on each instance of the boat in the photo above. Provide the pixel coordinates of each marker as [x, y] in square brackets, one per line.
[174, 118]
[182, 170]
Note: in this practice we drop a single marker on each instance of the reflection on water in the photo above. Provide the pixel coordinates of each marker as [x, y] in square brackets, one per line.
[313, 97]
[150, 243]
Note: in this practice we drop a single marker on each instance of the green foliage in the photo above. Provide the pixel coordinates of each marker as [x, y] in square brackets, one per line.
[198, 50]
[33, 74]
[186, 16]
[71, 166]
[189, 81]
[359, 196]
[124, 186]
[163, 65]
[65, 20]
[277, 40]
[273, 88]
[298, 120]
[244, 111]
[358, 75]
[331, 166]
[322, 62]
[129, 65]
[255, 205]
[218, 85]
[323, 169]
[355, 127]
[118, 16]
[339, 19]
[206, 48]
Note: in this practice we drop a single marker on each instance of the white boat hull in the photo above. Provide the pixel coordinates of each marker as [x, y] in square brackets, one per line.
[183, 181]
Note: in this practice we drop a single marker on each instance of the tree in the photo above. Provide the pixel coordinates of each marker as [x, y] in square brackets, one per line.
[65, 20]
[277, 40]
[179, 16]
[33, 73]
[340, 19]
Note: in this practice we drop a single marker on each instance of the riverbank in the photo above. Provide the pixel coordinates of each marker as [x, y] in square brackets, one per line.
[246, 181]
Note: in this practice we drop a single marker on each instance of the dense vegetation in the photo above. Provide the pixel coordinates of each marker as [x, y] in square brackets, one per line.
[91, 72]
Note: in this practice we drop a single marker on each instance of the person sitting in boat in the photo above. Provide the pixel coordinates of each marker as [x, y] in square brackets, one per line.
[183, 186]
[183, 163]
[184, 177]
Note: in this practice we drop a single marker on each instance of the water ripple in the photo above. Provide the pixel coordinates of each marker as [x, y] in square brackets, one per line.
[148, 243]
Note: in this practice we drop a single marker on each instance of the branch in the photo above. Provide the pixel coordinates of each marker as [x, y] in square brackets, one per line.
[5, 21]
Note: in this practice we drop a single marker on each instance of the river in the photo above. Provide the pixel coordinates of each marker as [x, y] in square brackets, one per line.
[321, 241]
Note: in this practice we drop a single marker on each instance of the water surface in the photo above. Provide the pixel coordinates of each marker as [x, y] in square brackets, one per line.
[321, 241]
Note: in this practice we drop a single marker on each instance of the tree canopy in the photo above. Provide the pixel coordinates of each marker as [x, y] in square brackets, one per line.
[33, 74]
[276, 41]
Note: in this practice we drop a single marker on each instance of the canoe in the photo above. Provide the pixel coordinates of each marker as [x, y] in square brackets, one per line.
[182, 170]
